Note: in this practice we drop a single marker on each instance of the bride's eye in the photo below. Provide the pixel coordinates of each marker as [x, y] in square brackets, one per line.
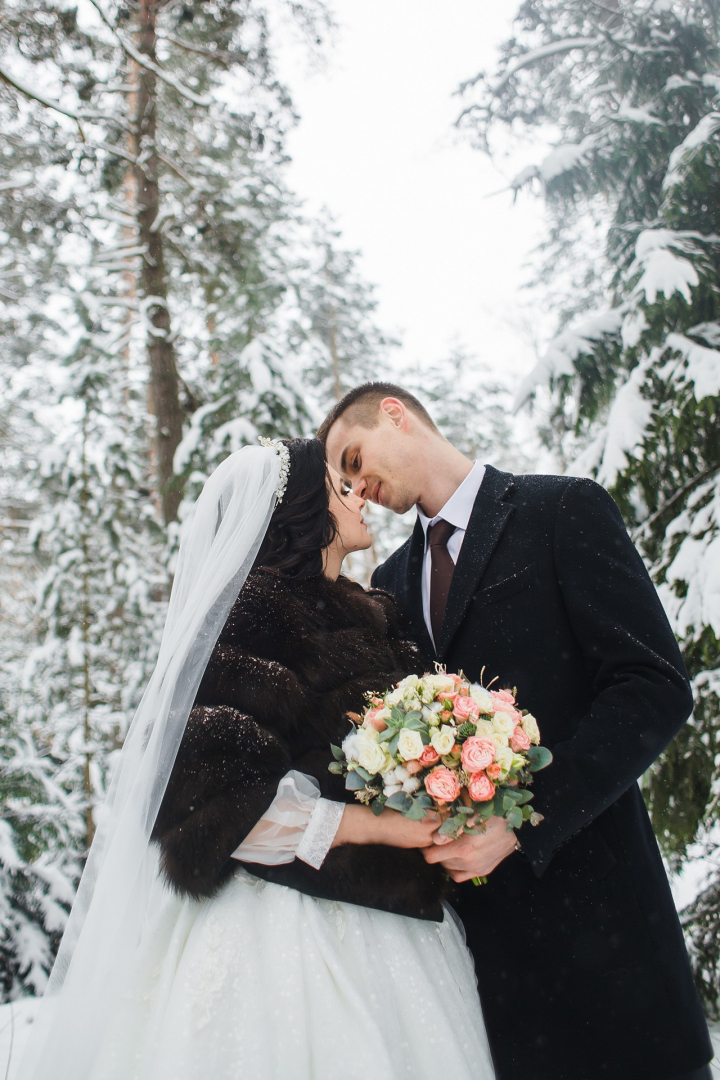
[345, 489]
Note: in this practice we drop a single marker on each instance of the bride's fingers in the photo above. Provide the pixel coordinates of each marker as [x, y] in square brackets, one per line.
[442, 838]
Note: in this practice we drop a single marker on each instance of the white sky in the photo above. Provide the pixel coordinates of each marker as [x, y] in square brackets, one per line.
[376, 145]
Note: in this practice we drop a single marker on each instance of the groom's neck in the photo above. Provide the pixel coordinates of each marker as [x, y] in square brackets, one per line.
[446, 468]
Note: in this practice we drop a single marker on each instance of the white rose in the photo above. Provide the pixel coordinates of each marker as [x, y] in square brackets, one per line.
[430, 717]
[531, 729]
[482, 696]
[443, 739]
[394, 697]
[504, 758]
[410, 745]
[437, 685]
[388, 764]
[409, 681]
[519, 762]
[500, 741]
[503, 723]
[411, 784]
[351, 746]
[371, 756]
[485, 730]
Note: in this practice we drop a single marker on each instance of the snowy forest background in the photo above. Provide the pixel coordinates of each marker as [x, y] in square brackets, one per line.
[165, 298]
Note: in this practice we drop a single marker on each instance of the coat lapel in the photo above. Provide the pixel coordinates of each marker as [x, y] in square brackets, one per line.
[412, 601]
[489, 517]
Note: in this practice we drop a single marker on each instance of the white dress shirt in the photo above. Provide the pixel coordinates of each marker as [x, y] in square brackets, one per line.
[456, 511]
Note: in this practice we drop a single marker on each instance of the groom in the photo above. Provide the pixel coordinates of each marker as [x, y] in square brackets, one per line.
[580, 958]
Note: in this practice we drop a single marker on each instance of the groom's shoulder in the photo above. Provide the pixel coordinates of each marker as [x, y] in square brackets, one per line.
[387, 572]
[548, 489]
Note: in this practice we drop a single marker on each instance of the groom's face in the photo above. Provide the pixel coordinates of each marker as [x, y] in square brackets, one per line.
[380, 463]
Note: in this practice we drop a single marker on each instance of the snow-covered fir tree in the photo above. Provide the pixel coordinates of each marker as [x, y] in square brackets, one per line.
[630, 93]
[164, 302]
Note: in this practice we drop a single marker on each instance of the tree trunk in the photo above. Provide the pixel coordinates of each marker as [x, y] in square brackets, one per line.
[164, 382]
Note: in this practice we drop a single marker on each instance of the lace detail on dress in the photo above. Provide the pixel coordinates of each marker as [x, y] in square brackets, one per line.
[320, 832]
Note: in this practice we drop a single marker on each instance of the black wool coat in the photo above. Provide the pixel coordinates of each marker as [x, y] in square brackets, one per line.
[293, 658]
[580, 958]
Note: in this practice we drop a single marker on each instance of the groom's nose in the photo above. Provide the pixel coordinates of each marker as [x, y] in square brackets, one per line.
[360, 487]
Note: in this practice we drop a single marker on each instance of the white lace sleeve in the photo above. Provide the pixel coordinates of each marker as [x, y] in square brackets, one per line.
[298, 824]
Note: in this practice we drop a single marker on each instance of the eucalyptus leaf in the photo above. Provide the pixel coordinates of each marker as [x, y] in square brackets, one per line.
[378, 805]
[416, 812]
[363, 772]
[399, 801]
[449, 827]
[337, 753]
[353, 782]
[514, 818]
[336, 767]
[540, 757]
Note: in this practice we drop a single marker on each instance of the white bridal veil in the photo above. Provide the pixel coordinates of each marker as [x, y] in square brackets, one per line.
[219, 543]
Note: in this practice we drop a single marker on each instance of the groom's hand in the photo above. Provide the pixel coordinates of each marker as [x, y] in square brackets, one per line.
[473, 855]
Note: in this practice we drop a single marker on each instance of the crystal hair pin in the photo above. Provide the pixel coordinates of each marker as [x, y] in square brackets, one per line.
[284, 454]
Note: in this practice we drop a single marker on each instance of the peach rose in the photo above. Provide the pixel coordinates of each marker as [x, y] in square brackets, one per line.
[465, 708]
[428, 758]
[477, 754]
[445, 715]
[413, 767]
[502, 698]
[442, 785]
[481, 788]
[520, 740]
[494, 771]
[376, 719]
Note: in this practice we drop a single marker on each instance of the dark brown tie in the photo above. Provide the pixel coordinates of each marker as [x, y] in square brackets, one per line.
[441, 571]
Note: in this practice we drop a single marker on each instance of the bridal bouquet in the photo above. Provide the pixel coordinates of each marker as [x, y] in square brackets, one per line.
[443, 743]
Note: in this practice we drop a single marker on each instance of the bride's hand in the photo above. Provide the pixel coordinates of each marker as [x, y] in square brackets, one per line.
[360, 826]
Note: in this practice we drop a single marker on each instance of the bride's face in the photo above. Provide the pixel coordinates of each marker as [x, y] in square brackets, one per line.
[347, 508]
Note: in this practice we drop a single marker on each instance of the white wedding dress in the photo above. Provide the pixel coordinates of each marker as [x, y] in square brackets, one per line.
[263, 982]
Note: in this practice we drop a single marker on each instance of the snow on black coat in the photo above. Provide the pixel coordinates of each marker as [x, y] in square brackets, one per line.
[293, 658]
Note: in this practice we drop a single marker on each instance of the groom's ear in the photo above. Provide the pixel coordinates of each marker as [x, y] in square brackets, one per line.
[396, 412]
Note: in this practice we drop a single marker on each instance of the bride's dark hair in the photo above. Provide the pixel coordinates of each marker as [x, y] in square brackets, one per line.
[301, 526]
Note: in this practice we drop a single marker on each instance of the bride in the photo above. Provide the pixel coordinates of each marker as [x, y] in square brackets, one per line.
[240, 914]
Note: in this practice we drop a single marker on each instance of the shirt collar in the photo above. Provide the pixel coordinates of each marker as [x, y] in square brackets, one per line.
[458, 508]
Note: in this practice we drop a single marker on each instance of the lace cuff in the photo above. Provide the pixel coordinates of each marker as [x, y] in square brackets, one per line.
[320, 832]
[297, 824]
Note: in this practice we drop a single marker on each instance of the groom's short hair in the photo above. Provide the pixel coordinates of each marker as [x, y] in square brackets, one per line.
[361, 405]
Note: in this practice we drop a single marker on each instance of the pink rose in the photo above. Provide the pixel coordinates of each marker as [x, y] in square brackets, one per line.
[373, 720]
[477, 754]
[465, 708]
[442, 785]
[481, 789]
[502, 698]
[428, 758]
[494, 771]
[520, 740]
